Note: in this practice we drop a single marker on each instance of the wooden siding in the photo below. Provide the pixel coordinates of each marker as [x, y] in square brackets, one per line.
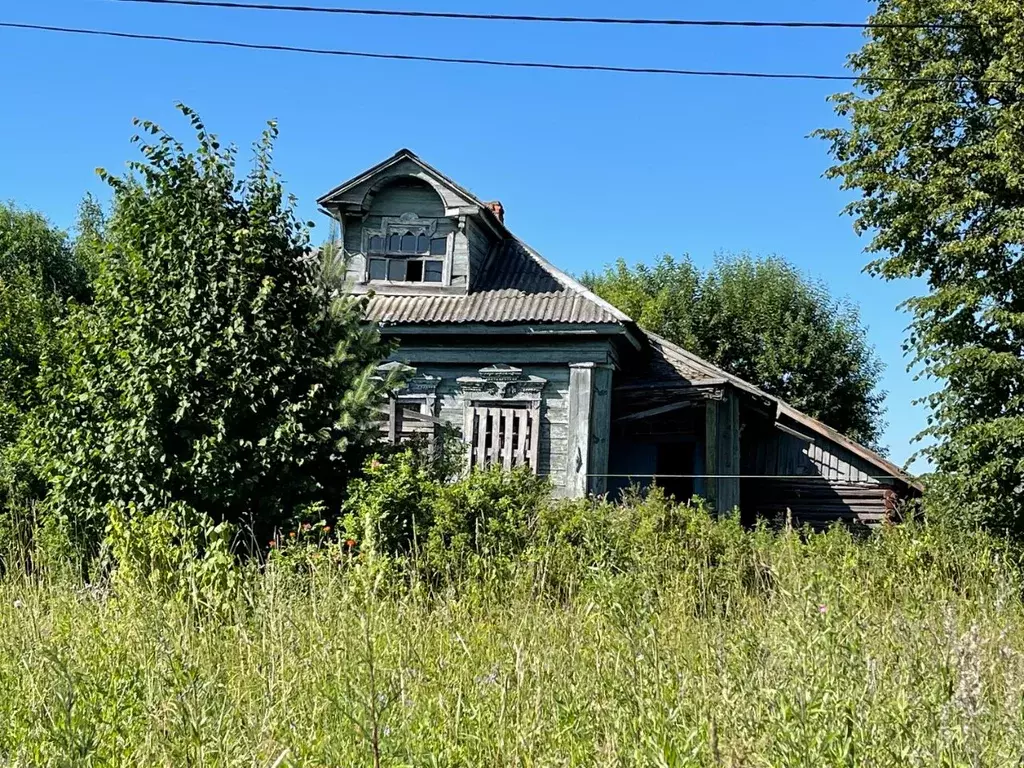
[482, 350]
[819, 503]
[405, 168]
[774, 452]
[418, 198]
[814, 481]
[478, 245]
[554, 410]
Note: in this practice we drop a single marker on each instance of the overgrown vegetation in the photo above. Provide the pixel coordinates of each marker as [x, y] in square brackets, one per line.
[214, 375]
[203, 561]
[580, 633]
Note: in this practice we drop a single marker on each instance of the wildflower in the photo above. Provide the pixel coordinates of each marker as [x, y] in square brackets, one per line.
[350, 543]
[291, 535]
[822, 609]
[306, 527]
[375, 464]
[18, 604]
[273, 543]
[327, 529]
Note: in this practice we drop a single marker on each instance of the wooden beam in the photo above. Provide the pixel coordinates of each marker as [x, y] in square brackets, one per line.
[655, 411]
[413, 416]
[600, 429]
[794, 433]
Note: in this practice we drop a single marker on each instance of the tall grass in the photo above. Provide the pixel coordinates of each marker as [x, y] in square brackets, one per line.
[714, 647]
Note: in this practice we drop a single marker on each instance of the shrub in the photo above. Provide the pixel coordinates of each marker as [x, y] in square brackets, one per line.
[172, 553]
[489, 513]
[214, 368]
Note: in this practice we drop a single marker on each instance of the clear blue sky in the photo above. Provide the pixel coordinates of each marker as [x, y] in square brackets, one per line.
[590, 167]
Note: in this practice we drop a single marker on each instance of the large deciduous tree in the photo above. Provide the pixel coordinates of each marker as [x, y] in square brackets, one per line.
[935, 147]
[213, 368]
[763, 321]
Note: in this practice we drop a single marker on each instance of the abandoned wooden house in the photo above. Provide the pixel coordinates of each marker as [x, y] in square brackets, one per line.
[536, 370]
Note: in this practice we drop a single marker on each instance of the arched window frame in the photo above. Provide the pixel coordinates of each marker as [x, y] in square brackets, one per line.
[407, 249]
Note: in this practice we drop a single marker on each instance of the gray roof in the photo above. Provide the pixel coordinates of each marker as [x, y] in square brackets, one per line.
[517, 286]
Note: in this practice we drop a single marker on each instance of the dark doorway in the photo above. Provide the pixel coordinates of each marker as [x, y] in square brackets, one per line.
[675, 459]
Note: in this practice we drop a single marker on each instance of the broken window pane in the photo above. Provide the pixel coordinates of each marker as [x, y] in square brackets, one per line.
[415, 272]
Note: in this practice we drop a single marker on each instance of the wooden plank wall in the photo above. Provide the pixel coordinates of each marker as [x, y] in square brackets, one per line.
[779, 453]
[820, 482]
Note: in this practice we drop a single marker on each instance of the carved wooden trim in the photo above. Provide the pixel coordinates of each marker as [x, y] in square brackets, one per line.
[419, 387]
[502, 382]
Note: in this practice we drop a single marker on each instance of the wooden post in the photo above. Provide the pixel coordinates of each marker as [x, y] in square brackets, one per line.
[600, 428]
[722, 452]
[581, 382]
[711, 410]
[590, 386]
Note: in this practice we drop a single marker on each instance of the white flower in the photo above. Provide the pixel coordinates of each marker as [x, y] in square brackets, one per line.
[18, 604]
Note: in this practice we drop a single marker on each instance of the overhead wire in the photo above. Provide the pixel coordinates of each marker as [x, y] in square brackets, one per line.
[478, 61]
[663, 22]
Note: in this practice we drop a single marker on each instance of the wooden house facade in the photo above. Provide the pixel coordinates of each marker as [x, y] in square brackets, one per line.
[536, 370]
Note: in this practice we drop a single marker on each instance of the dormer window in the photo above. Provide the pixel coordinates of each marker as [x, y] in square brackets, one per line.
[408, 250]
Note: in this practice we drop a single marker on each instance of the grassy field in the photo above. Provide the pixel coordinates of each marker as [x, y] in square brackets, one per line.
[715, 647]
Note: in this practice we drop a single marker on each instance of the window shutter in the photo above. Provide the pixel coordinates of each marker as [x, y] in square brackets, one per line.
[503, 434]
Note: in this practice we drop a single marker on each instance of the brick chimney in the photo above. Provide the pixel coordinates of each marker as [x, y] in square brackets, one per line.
[498, 210]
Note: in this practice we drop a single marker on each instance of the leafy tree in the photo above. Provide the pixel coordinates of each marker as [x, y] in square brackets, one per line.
[38, 272]
[935, 146]
[764, 322]
[214, 368]
[29, 243]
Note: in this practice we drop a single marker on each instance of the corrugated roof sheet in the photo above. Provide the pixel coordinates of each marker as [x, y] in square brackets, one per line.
[517, 286]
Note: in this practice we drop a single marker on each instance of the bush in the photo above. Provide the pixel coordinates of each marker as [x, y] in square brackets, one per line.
[405, 505]
[172, 553]
[214, 367]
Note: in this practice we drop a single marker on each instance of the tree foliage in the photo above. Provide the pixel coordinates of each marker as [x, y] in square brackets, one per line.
[939, 163]
[38, 273]
[214, 367]
[764, 322]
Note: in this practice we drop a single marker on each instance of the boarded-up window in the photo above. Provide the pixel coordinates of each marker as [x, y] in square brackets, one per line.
[408, 418]
[505, 434]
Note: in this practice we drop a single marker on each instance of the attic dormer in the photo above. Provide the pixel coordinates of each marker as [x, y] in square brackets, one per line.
[407, 229]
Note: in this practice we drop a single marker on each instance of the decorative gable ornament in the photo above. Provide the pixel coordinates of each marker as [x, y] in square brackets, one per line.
[502, 382]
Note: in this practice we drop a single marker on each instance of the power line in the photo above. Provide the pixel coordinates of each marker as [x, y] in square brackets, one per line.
[546, 19]
[482, 62]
